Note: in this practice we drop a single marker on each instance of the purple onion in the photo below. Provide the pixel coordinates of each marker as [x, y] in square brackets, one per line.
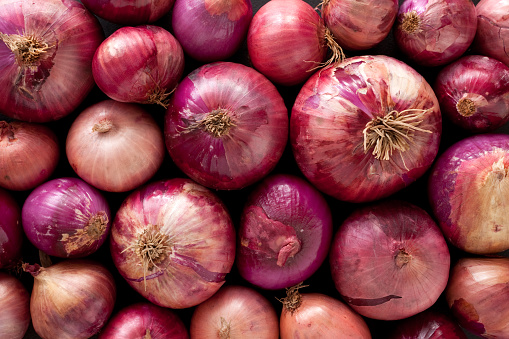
[14, 307]
[128, 12]
[428, 325]
[11, 233]
[492, 37]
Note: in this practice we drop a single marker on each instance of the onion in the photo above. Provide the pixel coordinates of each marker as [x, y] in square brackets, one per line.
[235, 312]
[365, 128]
[285, 232]
[389, 260]
[174, 242]
[46, 52]
[14, 307]
[492, 34]
[71, 299]
[469, 193]
[115, 146]
[478, 295]
[227, 126]
[132, 13]
[359, 24]
[29, 154]
[435, 32]
[144, 320]
[211, 30]
[139, 64]
[429, 324]
[474, 93]
[11, 232]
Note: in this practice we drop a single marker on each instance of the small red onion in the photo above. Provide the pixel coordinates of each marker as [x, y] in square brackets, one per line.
[227, 126]
[429, 324]
[235, 312]
[11, 232]
[390, 261]
[127, 12]
[492, 37]
[14, 307]
[115, 146]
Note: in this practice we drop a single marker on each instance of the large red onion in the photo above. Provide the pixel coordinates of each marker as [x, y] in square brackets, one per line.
[429, 324]
[365, 128]
[227, 126]
[389, 260]
[469, 193]
[492, 36]
[11, 232]
[127, 12]
[14, 307]
[174, 242]
[285, 232]
[46, 52]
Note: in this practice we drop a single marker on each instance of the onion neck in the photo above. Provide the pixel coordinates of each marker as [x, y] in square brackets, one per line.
[28, 50]
[466, 107]
[159, 96]
[147, 334]
[217, 123]
[293, 298]
[336, 52]
[103, 126]
[498, 173]
[402, 258]
[411, 22]
[34, 269]
[7, 131]
[224, 330]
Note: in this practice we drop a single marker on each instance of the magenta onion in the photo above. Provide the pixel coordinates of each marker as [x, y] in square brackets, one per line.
[14, 307]
[285, 232]
[473, 93]
[71, 299]
[469, 193]
[429, 324]
[235, 312]
[478, 295]
[132, 13]
[492, 36]
[139, 64]
[29, 154]
[365, 128]
[389, 260]
[46, 55]
[435, 32]
[174, 242]
[144, 320]
[11, 232]
[115, 146]
[226, 126]
[211, 30]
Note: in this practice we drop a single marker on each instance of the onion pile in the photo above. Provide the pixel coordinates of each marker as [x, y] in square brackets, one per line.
[14, 307]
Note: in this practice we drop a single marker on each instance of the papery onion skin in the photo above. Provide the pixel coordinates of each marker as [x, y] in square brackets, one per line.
[335, 106]
[196, 238]
[468, 191]
[389, 260]
[211, 30]
[429, 324]
[478, 295]
[14, 307]
[285, 232]
[115, 146]
[140, 64]
[226, 126]
[492, 34]
[125, 12]
[53, 86]
[474, 93]
[144, 320]
[435, 32]
[235, 312]
[11, 231]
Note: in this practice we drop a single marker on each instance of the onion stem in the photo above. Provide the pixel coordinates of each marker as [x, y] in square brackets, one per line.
[147, 334]
[27, 49]
[224, 331]
[411, 22]
[217, 123]
[466, 107]
[293, 298]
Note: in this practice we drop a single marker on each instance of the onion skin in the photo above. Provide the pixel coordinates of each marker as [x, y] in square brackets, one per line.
[331, 112]
[11, 232]
[53, 86]
[235, 312]
[198, 249]
[126, 12]
[389, 260]
[492, 34]
[478, 295]
[468, 190]
[14, 307]
[429, 325]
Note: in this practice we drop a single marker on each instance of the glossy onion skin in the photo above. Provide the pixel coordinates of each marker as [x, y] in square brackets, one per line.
[11, 231]
[250, 149]
[469, 193]
[201, 249]
[428, 324]
[492, 35]
[64, 77]
[482, 80]
[240, 311]
[369, 266]
[283, 210]
[478, 295]
[331, 112]
[128, 12]
[14, 307]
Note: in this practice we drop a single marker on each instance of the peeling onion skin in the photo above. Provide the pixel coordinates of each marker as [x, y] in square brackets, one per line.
[199, 249]
[428, 324]
[14, 307]
[11, 231]
[131, 13]
[469, 193]
[492, 37]
[478, 295]
[389, 260]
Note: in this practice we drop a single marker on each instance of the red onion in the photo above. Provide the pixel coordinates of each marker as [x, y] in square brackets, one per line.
[71, 299]
[390, 261]
[132, 13]
[492, 34]
[174, 242]
[429, 324]
[474, 93]
[29, 154]
[285, 233]
[144, 320]
[115, 146]
[227, 126]
[435, 32]
[365, 128]
[478, 294]
[211, 30]
[235, 312]
[139, 64]
[469, 193]
[11, 232]
[46, 52]
[359, 25]
[14, 307]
